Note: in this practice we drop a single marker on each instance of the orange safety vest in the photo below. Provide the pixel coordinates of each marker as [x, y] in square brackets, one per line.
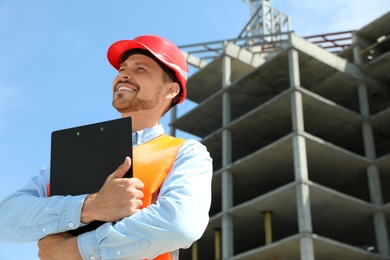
[152, 162]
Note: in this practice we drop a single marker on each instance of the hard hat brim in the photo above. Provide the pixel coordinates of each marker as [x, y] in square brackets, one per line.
[116, 50]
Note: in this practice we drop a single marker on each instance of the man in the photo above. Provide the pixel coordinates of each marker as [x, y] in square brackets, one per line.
[152, 75]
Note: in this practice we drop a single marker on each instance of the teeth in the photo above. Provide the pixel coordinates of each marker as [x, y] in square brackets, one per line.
[125, 88]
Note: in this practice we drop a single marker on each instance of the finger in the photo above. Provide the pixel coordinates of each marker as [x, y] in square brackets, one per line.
[122, 169]
[138, 184]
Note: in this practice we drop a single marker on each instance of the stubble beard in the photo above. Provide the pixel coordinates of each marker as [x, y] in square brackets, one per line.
[133, 104]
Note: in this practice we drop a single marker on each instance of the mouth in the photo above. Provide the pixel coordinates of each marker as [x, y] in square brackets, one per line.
[123, 87]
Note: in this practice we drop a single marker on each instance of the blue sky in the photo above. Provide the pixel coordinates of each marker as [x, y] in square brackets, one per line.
[54, 73]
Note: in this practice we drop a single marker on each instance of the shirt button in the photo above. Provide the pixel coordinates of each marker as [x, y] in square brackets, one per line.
[71, 224]
[118, 252]
[43, 230]
[92, 258]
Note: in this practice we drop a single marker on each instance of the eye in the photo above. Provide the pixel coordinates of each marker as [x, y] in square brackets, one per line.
[140, 69]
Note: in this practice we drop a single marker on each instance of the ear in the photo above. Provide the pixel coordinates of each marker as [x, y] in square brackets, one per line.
[173, 90]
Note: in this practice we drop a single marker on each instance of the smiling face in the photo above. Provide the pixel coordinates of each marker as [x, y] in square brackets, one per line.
[139, 85]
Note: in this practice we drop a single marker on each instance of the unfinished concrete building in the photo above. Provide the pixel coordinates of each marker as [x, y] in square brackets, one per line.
[299, 130]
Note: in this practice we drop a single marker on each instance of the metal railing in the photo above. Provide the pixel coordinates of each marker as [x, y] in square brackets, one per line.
[333, 42]
[208, 51]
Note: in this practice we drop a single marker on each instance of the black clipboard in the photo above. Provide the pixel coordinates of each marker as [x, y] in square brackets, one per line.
[82, 157]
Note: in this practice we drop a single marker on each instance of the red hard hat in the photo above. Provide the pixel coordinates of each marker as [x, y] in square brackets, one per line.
[164, 50]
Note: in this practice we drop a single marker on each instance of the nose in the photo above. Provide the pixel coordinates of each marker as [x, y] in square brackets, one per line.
[123, 74]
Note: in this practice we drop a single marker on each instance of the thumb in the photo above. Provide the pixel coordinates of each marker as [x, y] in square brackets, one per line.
[122, 169]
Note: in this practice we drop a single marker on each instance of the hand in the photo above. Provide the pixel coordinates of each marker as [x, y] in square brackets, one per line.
[61, 246]
[118, 198]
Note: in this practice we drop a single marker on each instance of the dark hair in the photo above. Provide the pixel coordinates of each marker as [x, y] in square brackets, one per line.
[170, 72]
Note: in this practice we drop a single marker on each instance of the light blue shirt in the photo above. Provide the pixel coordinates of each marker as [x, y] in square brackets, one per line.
[177, 219]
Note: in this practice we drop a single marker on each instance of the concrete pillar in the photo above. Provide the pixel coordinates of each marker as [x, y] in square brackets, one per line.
[357, 57]
[300, 160]
[373, 177]
[374, 185]
[382, 238]
[227, 239]
[173, 114]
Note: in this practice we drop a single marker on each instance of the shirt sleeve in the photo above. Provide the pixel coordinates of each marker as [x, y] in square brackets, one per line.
[28, 214]
[177, 219]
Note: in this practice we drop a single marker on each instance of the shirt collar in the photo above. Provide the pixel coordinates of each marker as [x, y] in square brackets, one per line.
[147, 134]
